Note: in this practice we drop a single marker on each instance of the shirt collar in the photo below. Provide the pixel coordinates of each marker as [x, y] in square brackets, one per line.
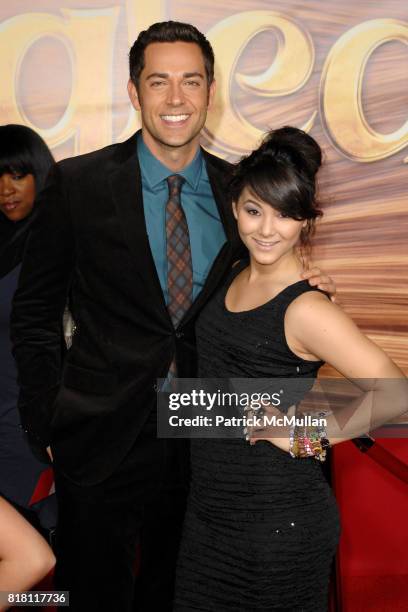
[154, 172]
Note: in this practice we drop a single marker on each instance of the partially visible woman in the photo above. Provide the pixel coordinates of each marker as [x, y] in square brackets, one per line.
[262, 525]
[25, 557]
[24, 164]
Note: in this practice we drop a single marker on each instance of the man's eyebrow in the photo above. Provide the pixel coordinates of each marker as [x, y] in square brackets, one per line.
[165, 75]
[189, 75]
[157, 75]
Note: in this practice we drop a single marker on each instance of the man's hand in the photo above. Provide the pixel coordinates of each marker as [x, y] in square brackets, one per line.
[319, 279]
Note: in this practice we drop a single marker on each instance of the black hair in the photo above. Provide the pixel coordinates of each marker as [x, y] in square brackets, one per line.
[282, 172]
[23, 151]
[169, 31]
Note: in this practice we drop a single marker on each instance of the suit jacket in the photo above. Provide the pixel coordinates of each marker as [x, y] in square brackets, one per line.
[90, 241]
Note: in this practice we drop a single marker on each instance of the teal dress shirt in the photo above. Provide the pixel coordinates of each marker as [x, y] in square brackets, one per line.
[204, 224]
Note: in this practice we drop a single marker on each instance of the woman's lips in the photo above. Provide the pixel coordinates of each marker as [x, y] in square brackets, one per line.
[10, 206]
[266, 245]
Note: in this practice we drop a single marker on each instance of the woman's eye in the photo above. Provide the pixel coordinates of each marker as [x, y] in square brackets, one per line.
[17, 177]
[252, 211]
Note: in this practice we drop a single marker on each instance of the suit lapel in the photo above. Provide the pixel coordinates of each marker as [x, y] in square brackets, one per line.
[222, 263]
[126, 187]
[219, 180]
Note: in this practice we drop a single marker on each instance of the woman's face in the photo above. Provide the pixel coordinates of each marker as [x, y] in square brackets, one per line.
[266, 233]
[17, 194]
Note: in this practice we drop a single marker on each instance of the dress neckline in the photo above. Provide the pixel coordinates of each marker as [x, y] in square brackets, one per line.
[238, 268]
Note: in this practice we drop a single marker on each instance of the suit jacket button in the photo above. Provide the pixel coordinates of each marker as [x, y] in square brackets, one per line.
[179, 335]
[155, 387]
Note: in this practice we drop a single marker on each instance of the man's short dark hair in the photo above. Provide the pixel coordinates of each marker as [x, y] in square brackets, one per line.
[169, 31]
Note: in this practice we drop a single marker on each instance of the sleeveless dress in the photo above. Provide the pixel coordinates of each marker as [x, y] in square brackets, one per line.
[261, 528]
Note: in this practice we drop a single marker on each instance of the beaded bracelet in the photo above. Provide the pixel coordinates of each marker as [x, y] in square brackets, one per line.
[308, 441]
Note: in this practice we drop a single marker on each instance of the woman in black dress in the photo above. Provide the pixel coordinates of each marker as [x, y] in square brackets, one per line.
[24, 164]
[261, 527]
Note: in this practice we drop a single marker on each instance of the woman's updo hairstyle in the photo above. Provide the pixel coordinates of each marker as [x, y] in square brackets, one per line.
[282, 173]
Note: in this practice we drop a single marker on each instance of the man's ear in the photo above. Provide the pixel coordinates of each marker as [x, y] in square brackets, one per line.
[133, 95]
[211, 94]
[234, 210]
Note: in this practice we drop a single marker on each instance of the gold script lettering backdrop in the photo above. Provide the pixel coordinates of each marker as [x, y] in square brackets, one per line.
[337, 69]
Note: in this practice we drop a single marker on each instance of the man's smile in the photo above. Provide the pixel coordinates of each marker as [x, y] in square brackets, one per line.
[178, 119]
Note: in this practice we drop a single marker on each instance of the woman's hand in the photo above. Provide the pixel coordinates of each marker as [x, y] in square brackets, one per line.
[265, 428]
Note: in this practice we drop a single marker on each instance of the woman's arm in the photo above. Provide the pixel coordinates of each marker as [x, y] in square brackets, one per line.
[318, 329]
[25, 557]
[325, 331]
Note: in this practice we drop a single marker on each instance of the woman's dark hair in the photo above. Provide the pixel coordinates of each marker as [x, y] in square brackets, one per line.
[169, 31]
[23, 151]
[282, 173]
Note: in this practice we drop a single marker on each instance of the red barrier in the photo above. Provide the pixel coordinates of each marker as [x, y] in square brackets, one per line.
[372, 560]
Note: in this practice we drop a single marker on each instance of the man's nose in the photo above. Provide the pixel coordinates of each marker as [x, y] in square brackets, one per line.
[175, 94]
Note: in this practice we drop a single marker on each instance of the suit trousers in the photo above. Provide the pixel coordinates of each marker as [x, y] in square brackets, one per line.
[137, 512]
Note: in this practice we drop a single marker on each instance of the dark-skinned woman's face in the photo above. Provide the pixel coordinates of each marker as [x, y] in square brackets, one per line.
[17, 194]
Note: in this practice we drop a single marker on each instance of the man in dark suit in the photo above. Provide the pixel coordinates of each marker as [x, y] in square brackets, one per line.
[103, 237]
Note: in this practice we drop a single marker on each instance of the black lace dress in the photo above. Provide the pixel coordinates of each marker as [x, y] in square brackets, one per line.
[261, 528]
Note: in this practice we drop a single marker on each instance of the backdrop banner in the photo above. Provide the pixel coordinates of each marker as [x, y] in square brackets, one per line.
[338, 70]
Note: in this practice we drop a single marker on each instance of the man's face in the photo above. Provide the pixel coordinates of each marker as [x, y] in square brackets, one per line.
[173, 96]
